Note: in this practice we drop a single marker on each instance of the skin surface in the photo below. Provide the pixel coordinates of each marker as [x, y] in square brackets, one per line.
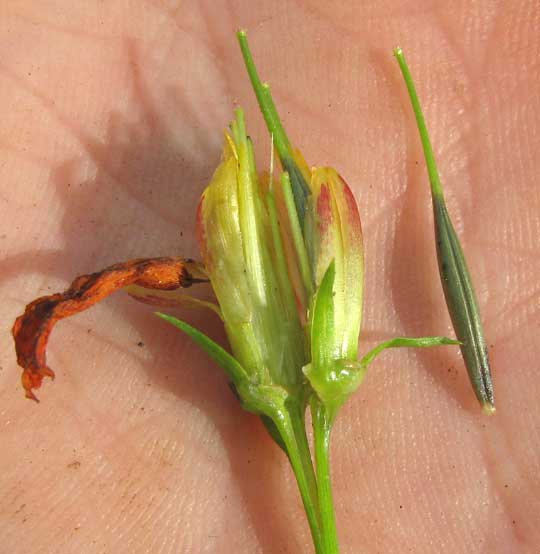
[112, 116]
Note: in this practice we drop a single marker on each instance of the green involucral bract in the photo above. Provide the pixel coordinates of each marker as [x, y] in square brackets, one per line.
[333, 377]
[242, 256]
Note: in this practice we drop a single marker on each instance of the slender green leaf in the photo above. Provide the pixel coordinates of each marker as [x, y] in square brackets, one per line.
[234, 370]
[322, 323]
[400, 342]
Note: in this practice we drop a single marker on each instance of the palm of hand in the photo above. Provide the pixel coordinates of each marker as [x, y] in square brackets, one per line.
[112, 127]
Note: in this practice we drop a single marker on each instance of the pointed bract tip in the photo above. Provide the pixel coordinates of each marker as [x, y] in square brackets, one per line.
[398, 52]
[488, 408]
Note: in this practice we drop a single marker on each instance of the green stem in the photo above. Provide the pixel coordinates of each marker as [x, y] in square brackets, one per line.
[298, 418]
[297, 458]
[266, 103]
[283, 146]
[436, 187]
[322, 426]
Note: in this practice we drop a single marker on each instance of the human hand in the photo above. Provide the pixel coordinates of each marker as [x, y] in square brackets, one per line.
[112, 121]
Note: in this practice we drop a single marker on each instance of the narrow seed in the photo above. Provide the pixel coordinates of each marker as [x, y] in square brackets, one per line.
[455, 277]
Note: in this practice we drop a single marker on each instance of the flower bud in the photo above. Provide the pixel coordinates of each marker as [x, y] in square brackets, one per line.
[242, 260]
[334, 233]
[334, 241]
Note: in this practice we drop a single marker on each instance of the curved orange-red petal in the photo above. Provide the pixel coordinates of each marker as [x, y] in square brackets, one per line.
[32, 329]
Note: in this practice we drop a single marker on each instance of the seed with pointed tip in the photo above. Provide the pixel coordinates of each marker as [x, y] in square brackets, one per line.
[455, 276]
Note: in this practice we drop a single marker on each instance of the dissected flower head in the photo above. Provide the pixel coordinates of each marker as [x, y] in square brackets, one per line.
[266, 264]
[285, 261]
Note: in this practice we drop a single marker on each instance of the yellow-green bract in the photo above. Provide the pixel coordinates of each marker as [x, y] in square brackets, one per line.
[242, 257]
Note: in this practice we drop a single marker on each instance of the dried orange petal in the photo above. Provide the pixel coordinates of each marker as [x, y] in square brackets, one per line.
[32, 329]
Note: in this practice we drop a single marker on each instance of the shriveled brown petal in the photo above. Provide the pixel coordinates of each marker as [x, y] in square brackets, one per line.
[32, 329]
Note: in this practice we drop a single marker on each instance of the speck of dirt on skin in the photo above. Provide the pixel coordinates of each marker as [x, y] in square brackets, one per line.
[140, 343]
[74, 465]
